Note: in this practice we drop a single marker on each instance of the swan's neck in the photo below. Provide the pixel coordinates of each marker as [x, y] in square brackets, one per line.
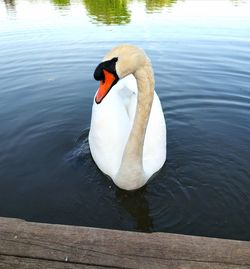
[131, 174]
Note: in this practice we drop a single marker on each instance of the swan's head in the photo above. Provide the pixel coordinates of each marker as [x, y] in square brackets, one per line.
[117, 64]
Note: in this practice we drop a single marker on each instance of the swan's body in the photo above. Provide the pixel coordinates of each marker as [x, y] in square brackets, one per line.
[128, 133]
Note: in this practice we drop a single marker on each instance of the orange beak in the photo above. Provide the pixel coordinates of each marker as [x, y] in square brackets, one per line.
[105, 86]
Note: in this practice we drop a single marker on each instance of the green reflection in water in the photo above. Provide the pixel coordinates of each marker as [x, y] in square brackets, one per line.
[61, 3]
[108, 11]
[116, 11]
[153, 5]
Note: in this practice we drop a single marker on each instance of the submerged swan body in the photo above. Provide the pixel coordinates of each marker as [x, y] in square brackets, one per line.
[128, 133]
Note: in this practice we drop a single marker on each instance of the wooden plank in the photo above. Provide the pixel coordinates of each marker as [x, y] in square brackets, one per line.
[11, 262]
[118, 249]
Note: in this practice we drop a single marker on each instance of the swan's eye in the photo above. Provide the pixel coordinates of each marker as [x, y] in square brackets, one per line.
[109, 66]
[98, 74]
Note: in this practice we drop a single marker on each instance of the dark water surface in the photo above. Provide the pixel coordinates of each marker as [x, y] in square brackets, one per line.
[200, 51]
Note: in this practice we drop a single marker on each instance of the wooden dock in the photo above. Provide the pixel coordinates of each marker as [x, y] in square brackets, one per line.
[48, 246]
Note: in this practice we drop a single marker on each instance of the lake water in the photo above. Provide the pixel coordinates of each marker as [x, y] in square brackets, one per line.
[200, 51]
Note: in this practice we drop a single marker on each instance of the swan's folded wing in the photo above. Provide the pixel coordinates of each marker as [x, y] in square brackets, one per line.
[155, 148]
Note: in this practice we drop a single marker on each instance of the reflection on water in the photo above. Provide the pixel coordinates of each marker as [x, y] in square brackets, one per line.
[201, 57]
[10, 6]
[137, 206]
[153, 5]
[108, 12]
[61, 3]
[117, 12]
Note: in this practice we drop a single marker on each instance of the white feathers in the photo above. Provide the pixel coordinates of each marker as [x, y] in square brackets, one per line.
[111, 125]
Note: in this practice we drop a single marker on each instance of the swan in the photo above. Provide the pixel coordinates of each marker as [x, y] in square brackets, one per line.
[127, 136]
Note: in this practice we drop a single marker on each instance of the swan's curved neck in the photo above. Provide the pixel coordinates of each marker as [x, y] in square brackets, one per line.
[131, 174]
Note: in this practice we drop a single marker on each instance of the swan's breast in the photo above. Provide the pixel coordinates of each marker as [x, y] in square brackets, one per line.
[109, 131]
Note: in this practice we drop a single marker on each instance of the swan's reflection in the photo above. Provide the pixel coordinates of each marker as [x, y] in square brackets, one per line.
[136, 204]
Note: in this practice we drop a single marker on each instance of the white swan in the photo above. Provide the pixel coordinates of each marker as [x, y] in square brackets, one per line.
[127, 135]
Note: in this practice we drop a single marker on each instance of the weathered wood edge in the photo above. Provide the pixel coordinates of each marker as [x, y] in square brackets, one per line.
[82, 247]
[12, 262]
